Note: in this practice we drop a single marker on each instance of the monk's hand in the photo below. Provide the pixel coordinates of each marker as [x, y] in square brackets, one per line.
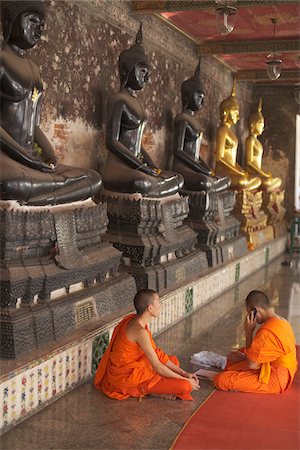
[249, 324]
[236, 356]
[191, 376]
[194, 383]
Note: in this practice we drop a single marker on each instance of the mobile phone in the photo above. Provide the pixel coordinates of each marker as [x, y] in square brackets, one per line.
[254, 310]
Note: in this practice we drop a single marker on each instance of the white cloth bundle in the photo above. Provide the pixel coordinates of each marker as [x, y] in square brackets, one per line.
[209, 359]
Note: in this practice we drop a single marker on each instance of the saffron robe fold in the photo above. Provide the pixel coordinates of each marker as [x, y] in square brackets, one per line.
[274, 348]
[125, 371]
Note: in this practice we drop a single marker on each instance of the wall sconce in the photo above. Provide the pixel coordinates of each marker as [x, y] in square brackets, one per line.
[273, 60]
[225, 16]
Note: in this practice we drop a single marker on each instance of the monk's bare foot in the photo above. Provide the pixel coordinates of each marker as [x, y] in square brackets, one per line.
[164, 396]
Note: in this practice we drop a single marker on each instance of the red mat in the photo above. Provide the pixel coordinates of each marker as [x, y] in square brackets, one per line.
[236, 420]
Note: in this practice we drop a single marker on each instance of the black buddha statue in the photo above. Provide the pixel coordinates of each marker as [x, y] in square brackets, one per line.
[128, 168]
[187, 160]
[30, 172]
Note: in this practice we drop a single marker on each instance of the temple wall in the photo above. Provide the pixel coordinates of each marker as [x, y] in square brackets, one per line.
[279, 137]
[78, 60]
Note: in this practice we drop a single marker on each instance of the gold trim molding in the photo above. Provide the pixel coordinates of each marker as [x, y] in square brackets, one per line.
[153, 6]
[291, 75]
[279, 45]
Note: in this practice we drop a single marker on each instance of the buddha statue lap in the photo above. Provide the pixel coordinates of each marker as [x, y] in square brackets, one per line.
[227, 144]
[187, 140]
[30, 172]
[254, 152]
[129, 169]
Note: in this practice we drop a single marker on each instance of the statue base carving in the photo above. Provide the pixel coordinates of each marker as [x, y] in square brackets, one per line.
[272, 206]
[253, 218]
[56, 273]
[217, 229]
[158, 248]
[259, 237]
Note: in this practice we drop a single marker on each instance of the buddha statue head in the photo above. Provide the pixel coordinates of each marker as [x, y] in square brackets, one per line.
[229, 108]
[256, 121]
[134, 65]
[22, 22]
[192, 94]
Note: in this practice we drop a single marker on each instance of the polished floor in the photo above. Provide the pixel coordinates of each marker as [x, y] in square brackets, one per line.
[85, 419]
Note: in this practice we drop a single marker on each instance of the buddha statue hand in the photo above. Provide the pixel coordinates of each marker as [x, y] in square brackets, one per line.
[48, 167]
[149, 170]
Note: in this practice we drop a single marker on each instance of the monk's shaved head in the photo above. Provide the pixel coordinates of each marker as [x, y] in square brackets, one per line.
[257, 298]
[143, 299]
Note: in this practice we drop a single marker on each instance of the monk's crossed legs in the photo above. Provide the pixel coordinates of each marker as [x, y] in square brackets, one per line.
[173, 386]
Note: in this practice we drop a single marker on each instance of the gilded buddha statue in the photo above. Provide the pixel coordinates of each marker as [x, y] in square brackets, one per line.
[30, 172]
[227, 144]
[187, 140]
[254, 152]
[129, 169]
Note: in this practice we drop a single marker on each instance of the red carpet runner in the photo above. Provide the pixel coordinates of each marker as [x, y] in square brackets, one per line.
[236, 420]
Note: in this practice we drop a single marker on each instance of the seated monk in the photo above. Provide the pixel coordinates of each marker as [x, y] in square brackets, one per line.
[133, 366]
[129, 169]
[268, 363]
[187, 160]
[255, 150]
[227, 144]
[30, 172]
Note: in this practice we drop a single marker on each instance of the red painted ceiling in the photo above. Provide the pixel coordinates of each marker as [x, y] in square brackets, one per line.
[252, 23]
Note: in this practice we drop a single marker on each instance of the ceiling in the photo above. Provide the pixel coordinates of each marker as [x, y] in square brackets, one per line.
[246, 48]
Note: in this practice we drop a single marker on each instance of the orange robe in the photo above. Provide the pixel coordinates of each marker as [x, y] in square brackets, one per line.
[125, 371]
[274, 347]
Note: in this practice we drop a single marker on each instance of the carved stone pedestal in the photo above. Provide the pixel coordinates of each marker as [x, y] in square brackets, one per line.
[56, 273]
[253, 218]
[217, 229]
[272, 206]
[158, 248]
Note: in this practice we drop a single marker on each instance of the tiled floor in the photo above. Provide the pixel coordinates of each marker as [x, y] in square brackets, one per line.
[85, 419]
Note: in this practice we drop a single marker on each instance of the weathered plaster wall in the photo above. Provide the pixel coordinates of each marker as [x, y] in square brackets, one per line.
[279, 137]
[78, 59]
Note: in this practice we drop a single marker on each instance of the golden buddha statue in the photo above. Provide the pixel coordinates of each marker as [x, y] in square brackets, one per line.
[227, 143]
[254, 152]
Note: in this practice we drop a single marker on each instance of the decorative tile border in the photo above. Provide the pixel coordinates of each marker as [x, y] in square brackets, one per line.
[100, 344]
[29, 389]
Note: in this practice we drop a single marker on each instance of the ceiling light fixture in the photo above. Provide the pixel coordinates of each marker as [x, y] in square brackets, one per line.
[273, 60]
[225, 16]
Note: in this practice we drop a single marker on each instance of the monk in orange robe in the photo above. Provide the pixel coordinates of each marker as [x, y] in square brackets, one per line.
[132, 364]
[268, 363]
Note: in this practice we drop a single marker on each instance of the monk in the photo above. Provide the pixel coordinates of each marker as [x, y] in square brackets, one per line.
[133, 366]
[268, 363]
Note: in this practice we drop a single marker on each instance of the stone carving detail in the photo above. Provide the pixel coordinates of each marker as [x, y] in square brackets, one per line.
[50, 261]
[273, 208]
[218, 230]
[154, 239]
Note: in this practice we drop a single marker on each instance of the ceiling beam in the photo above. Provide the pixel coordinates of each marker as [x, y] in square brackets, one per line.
[154, 6]
[291, 75]
[233, 47]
